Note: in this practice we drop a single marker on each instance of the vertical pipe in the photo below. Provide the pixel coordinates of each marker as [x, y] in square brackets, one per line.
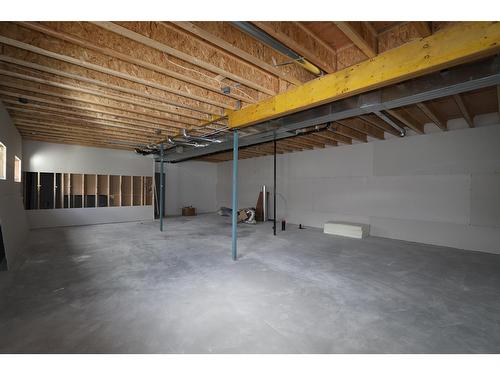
[235, 196]
[162, 187]
[265, 203]
[274, 191]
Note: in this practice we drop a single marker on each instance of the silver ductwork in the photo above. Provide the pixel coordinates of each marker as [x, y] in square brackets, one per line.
[388, 120]
[199, 138]
[189, 144]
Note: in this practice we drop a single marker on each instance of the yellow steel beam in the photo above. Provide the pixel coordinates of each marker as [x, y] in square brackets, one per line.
[455, 45]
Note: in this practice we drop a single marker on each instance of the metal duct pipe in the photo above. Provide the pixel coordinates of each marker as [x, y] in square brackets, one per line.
[178, 143]
[265, 38]
[387, 119]
[197, 138]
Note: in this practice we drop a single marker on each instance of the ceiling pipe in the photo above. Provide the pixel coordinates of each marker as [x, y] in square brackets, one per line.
[197, 138]
[180, 143]
[265, 38]
[387, 119]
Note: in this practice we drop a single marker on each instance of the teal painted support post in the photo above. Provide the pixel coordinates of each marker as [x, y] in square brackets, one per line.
[235, 196]
[162, 188]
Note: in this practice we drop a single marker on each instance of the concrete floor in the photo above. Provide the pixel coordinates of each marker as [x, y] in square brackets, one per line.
[127, 288]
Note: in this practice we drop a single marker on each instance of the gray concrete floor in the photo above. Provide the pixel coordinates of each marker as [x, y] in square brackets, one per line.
[127, 288]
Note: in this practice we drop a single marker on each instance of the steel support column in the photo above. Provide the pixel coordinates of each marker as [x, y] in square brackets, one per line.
[162, 187]
[234, 228]
[274, 192]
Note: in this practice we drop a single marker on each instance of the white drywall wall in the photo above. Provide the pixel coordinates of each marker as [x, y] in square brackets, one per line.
[61, 158]
[12, 215]
[441, 188]
[85, 216]
[191, 183]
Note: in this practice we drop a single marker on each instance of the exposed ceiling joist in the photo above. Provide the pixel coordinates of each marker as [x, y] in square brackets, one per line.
[326, 140]
[464, 110]
[424, 28]
[110, 91]
[35, 92]
[230, 47]
[83, 105]
[432, 116]
[52, 122]
[405, 119]
[305, 44]
[361, 36]
[363, 127]
[457, 44]
[82, 133]
[115, 73]
[194, 78]
[138, 37]
[348, 132]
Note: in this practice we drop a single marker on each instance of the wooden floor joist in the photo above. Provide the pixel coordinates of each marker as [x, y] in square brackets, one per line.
[138, 37]
[152, 82]
[360, 35]
[193, 28]
[348, 132]
[432, 116]
[404, 118]
[463, 109]
[360, 126]
[166, 104]
[25, 90]
[138, 82]
[457, 44]
[106, 82]
[7, 96]
[184, 76]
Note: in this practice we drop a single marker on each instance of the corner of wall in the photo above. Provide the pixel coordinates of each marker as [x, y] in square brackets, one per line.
[12, 215]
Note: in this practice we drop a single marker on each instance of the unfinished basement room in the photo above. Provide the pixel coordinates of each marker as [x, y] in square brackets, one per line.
[250, 187]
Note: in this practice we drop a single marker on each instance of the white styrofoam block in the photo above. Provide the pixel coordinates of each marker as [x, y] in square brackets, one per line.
[352, 230]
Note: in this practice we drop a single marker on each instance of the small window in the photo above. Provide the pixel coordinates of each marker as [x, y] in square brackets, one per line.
[3, 161]
[17, 169]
